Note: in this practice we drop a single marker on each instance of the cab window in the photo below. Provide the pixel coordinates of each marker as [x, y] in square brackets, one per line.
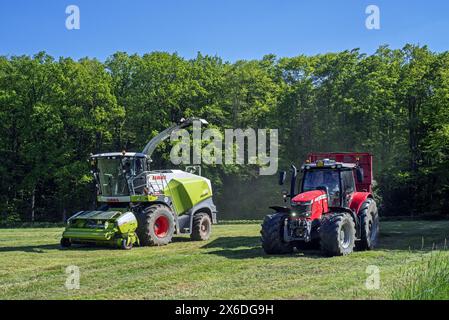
[348, 181]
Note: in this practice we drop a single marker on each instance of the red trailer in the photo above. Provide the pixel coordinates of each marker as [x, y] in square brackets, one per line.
[362, 159]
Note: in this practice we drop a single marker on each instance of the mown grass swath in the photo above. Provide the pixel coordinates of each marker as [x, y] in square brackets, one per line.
[230, 265]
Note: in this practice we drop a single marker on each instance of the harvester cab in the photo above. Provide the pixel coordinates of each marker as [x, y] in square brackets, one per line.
[138, 205]
[334, 207]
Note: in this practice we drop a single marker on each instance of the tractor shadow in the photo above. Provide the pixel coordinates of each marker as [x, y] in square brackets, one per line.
[391, 239]
[249, 248]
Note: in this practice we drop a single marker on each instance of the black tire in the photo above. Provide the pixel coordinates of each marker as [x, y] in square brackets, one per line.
[369, 226]
[201, 227]
[65, 243]
[149, 228]
[125, 246]
[337, 234]
[272, 235]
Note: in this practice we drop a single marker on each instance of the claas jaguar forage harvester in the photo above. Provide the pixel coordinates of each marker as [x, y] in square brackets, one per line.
[138, 205]
[334, 208]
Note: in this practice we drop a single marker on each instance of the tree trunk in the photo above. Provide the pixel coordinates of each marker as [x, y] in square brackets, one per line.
[33, 201]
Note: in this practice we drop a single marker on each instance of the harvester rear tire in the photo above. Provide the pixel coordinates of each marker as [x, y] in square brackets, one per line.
[272, 235]
[369, 225]
[201, 227]
[337, 234]
[156, 225]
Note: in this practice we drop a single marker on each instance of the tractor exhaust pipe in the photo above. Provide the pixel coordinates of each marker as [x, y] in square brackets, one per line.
[293, 181]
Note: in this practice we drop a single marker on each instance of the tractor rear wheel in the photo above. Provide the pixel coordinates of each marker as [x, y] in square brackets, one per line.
[272, 235]
[201, 227]
[337, 234]
[369, 222]
[156, 225]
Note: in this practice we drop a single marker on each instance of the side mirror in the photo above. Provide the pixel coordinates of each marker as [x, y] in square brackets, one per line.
[282, 176]
[359, 173]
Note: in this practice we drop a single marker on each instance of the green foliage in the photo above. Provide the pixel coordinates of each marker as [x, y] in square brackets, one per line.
[393, 103]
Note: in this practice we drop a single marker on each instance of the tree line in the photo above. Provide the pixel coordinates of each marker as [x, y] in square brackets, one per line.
[55, 112]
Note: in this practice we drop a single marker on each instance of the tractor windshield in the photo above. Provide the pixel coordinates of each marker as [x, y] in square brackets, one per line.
[330, 179]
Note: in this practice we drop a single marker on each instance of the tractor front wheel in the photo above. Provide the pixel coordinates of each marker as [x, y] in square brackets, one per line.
[273, 235]
[156, 225]
[201, 227]
[369, 221]
[337, 234]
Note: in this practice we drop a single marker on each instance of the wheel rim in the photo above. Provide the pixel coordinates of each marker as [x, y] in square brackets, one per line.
[204, 227]
[161, 227]
[345, 238]
[373, 231]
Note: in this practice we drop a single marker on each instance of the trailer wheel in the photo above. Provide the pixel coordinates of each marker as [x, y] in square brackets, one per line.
[272, 235]
[156, 225]
[65, 243]
[337, 234]
[369, 221]
[201, 227]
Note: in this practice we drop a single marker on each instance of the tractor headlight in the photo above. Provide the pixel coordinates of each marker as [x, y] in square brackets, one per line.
[106, 225]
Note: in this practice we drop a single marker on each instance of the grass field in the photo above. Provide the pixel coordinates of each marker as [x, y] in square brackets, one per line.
[231, 265]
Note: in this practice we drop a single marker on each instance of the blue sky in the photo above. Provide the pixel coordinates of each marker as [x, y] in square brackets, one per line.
[245, 29]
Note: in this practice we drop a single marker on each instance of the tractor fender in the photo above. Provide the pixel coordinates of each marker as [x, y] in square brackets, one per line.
[358, 198]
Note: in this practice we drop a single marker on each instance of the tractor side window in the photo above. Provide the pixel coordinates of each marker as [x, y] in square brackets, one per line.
[348, 182]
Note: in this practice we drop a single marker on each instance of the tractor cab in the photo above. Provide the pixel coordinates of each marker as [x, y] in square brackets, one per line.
[335, 178]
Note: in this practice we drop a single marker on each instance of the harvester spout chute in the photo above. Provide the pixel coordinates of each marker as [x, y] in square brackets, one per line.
[153, 143]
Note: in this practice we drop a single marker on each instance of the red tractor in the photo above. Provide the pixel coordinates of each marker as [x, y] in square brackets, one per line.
[335, 207]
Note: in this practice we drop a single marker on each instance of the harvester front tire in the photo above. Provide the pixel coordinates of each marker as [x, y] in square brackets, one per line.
[201, 227]
[272, 235]
[156, 225]
[369, 222]
[337, 234]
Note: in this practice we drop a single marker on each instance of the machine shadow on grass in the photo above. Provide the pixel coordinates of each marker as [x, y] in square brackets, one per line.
[249, 248]
[44, 247]
[30, 249]
[246, 247]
